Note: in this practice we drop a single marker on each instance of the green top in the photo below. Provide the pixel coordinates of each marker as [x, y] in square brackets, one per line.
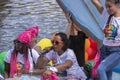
[2, 55]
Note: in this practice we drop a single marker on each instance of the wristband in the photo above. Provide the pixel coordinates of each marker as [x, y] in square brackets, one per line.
[53, 69]
[31, 72]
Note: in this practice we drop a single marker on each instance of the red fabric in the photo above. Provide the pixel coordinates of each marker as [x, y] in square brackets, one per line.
[13, 68]
[95, 65]
[92, 50]
[53, 76]
[24, 37]
[33, 30]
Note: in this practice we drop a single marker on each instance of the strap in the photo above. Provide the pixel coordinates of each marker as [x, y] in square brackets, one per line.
[109, 18]
[32, 56]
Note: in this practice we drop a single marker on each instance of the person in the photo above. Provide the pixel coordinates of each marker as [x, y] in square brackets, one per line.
[64, 60]
[22, 58]
[77, 40]
[34, 34]
[110, 51]
[42, 44]
[45, 44]
[43, 47]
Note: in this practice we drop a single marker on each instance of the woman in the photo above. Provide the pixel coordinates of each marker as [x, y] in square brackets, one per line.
[110, 51]
[64, 60]
[77, 40]
[21, 59]
[34, 34]
[43, 47]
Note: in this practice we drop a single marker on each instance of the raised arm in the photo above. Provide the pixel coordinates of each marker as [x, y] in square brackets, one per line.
[68, 29]
[98, 5]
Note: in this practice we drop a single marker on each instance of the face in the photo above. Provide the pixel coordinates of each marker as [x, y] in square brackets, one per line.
[18, 45]
[57, 43]
[33, 41]
[111, 7]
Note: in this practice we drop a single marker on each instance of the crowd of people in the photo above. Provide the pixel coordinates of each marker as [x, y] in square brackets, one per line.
[63, 56]
[30, 57]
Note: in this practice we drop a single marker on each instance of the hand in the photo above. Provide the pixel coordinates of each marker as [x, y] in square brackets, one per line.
[47, 73]
[68, 16]
[98, 5]
[25, 71]
[1, 78]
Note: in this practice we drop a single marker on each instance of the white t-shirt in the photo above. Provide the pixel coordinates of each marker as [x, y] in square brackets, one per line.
[112, 32]
[20, 57]
[67, 55]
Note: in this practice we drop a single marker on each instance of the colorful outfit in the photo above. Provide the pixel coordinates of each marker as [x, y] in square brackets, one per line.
[20, 59]
[74, 71]
[110, 51]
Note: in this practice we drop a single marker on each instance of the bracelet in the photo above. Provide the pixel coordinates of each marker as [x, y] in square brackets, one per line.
[31, 72]
[53, 69]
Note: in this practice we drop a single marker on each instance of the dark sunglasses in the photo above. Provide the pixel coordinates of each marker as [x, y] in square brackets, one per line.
[56, 42]
[18, 42]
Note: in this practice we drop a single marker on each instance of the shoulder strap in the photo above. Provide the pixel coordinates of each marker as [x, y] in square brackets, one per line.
[109, 18]
[32, 55]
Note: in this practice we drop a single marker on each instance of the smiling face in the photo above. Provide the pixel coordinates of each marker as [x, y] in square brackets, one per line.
[112, 7]
[58, 43]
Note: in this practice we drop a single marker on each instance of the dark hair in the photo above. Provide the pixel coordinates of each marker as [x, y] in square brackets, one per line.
[24, 49]
[64, 39]
[117, 1]
[114, 1]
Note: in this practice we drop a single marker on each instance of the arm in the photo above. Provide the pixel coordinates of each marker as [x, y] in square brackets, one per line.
[98, 5]
[58, 68]
[64, 66]
[68, 29]
[38, 49]
[7, 70]
[35, 71]
[38, 71]
[72, 28]
[42, 61]
[40, 66]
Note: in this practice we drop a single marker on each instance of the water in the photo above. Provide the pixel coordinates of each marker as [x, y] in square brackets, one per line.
[16, 15]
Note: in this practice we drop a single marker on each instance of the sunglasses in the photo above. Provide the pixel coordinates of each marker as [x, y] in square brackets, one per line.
[18, 42]
[56, 42]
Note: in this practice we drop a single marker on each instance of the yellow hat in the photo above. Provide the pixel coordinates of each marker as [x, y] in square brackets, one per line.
[45, 42]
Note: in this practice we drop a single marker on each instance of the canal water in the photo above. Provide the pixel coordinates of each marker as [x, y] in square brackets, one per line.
[16, 15]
